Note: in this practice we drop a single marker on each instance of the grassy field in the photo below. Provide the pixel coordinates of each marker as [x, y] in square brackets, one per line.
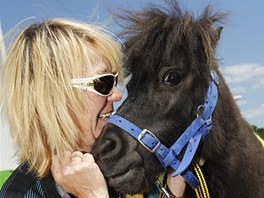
[3, 176]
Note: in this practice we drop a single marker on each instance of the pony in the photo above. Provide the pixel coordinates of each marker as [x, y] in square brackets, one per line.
[170, 57]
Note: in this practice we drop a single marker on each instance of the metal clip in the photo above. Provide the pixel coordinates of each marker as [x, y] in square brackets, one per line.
[163, 190]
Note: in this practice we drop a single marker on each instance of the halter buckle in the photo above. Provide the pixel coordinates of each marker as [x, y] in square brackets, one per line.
[142, 134]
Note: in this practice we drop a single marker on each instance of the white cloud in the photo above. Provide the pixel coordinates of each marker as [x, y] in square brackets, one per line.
[238, 90]
[241, 102]
[251, 113]
[244, 73]
[248, 80]
[259, 84]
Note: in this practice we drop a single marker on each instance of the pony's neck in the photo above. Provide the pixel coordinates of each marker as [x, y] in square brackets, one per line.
[230, 150]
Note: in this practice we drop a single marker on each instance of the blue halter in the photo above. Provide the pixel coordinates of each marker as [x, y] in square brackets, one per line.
[192, 136]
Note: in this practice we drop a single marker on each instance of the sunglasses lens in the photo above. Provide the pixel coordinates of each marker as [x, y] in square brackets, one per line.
[105, 84]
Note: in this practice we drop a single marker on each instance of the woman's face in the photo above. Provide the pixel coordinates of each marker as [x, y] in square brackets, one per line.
[92, 121]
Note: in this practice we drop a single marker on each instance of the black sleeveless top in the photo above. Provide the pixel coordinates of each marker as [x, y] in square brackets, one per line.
[22, 183]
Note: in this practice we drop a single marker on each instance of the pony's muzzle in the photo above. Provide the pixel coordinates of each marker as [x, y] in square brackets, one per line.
[115, 153]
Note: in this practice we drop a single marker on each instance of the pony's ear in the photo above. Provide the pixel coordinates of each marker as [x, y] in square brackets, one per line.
[218, 32]
[215, 35]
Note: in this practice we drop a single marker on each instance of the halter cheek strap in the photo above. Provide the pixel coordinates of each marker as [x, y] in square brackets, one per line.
[191, 137]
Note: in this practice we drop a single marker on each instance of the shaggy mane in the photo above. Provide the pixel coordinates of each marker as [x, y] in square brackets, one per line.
[179, 26]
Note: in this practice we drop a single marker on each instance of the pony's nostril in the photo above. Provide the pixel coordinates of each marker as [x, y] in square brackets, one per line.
[108, 146]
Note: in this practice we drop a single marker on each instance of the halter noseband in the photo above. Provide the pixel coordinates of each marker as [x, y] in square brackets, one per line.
[192, 136]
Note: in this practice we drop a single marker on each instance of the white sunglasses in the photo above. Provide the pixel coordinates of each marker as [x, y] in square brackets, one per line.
[100, 84]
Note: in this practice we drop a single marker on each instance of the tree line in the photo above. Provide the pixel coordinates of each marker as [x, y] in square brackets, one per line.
[259, 131]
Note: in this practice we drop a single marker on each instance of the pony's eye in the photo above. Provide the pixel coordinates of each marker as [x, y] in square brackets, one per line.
[172, 77]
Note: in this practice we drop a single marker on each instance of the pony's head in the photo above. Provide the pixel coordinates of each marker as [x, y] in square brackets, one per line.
[169, 55]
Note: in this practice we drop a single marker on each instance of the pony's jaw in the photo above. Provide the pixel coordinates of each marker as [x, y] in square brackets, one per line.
[130, 182]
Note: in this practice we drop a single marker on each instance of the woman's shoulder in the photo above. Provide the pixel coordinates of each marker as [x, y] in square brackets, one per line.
[23, 183]
[19, 183]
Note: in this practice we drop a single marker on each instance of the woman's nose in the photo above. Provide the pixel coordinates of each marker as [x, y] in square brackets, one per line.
[115, 96]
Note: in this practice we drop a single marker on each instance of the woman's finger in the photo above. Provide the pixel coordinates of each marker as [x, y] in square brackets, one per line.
[76, 156]
[87, 157]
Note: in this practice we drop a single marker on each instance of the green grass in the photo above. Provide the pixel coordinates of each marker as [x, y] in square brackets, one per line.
[3, 176]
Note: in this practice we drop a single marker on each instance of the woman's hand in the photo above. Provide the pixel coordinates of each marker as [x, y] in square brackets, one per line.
[176, 185]
[78, 174]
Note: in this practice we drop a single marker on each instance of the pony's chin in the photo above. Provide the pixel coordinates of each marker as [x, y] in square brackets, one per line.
[130, 182]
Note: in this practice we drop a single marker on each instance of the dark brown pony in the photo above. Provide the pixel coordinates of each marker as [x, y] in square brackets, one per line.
[170, 54]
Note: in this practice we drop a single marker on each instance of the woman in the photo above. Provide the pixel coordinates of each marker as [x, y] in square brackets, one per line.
[58, 85]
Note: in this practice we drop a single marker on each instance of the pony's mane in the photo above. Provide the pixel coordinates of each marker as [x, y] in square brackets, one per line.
[171, 28]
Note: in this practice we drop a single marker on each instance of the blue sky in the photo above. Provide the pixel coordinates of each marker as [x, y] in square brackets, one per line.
[241, 48]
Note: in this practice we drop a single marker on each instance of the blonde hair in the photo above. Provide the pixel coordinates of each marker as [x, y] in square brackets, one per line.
[36, 94]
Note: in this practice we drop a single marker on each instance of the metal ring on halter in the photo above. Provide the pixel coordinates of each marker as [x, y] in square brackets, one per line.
[213, 78]
[200, 110]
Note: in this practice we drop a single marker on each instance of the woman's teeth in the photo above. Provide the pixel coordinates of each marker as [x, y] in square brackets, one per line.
[107, 115]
